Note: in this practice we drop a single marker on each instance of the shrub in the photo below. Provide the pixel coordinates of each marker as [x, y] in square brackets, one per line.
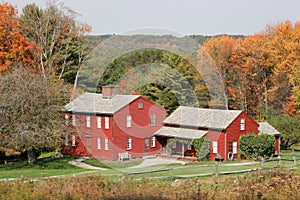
[202, 148]
[254, 146]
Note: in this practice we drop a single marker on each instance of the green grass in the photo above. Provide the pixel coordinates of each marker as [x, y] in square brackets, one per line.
[112, 164]
[43, 167]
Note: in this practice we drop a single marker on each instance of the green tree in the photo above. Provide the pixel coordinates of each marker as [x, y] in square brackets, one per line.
[202, 148]
[289, 127]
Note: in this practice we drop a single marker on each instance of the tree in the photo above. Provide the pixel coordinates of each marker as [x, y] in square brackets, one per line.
[202, 148]
[289, 127]
[30, 109]
[59, 39]
[14, 49]
[254, 146]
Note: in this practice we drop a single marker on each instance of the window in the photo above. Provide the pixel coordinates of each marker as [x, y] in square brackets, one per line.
[234, 147]
[215, 146]
[67, 119]
[98, 122]
[106, 122]
[152, 120]
[146, 142]
[99, 143]
[88, 141]
[73, 120]
[153, 141]
[106, 144]
[73, 140]
[66, 140]
[128, 143]
[88, 121]
[242, 124]
[128, 121]
[189, 147]
[140, 105]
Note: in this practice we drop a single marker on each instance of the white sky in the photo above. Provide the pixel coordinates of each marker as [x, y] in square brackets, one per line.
[204, 17]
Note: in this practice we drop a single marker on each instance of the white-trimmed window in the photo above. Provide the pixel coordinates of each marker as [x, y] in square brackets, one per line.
[140, 105]
[106, 120]
[152, 119]
[73, 119]
[106, 144]
[128, 121]
[153, 141]
[128, 143]
[88, 121]
[66, 139]
[242, 124]
[73, 140]
[98, 122]
[189, 147]
[67, 119]
[99, 143]
[215, 146]
[234, 147]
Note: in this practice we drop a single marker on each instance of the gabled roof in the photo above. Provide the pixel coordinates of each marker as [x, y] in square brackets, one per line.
[202, 117]
[265, 127]
[94, 103]
[181, 133]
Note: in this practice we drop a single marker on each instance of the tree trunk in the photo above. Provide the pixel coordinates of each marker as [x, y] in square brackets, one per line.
[31, 155]
[2, 156]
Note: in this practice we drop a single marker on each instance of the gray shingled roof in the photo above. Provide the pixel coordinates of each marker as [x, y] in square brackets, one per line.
[94, 103]
[265, 127]
[182, 133]
[201, 117]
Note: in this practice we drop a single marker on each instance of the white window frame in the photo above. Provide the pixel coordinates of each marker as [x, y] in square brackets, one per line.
[106, 144]
[152, 119]
[128, 143]
[215, 146]
[128, 121]
[189, 147]
[153, 144]
[88, 121]
[99, 143]
[73, 141]
[106, 125]
[234, 147]
[73, 119]
[98, 121]
[242, 124]
[140, 105]
[66, 139]
[66, 119]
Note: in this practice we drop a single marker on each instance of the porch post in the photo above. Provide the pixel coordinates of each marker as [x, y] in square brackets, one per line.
[182, 150]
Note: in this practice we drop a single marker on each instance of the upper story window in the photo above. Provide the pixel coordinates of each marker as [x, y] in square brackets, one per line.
[73, 120]
[98, 122]
[140, 105]
[106, 120]
[128, 121]
[152, 119]
[242, 125]
[88, 121]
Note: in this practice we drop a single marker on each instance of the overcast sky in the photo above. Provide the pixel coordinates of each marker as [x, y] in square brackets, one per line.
[204, 17]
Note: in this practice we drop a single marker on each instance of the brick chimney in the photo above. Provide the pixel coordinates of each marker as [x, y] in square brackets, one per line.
[108, 91]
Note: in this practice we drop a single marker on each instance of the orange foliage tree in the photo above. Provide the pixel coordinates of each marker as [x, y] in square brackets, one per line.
[14, 49]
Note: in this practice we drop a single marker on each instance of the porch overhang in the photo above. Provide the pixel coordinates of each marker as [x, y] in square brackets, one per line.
[180, 133]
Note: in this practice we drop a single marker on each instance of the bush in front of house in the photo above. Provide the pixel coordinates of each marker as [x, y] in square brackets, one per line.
[202, 148]
[254, 146]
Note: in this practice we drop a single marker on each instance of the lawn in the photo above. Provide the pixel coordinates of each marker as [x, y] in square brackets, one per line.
[43, 167]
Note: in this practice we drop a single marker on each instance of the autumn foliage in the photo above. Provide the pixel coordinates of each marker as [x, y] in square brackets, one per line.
[14, 49]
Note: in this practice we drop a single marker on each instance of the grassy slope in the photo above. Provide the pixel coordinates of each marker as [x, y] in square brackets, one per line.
[43, 167]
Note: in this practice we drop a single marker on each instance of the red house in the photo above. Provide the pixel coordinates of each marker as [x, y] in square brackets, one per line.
[110, 125]
[222, 127]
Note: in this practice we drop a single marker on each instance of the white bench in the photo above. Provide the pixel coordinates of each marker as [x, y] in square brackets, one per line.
[124, 156]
